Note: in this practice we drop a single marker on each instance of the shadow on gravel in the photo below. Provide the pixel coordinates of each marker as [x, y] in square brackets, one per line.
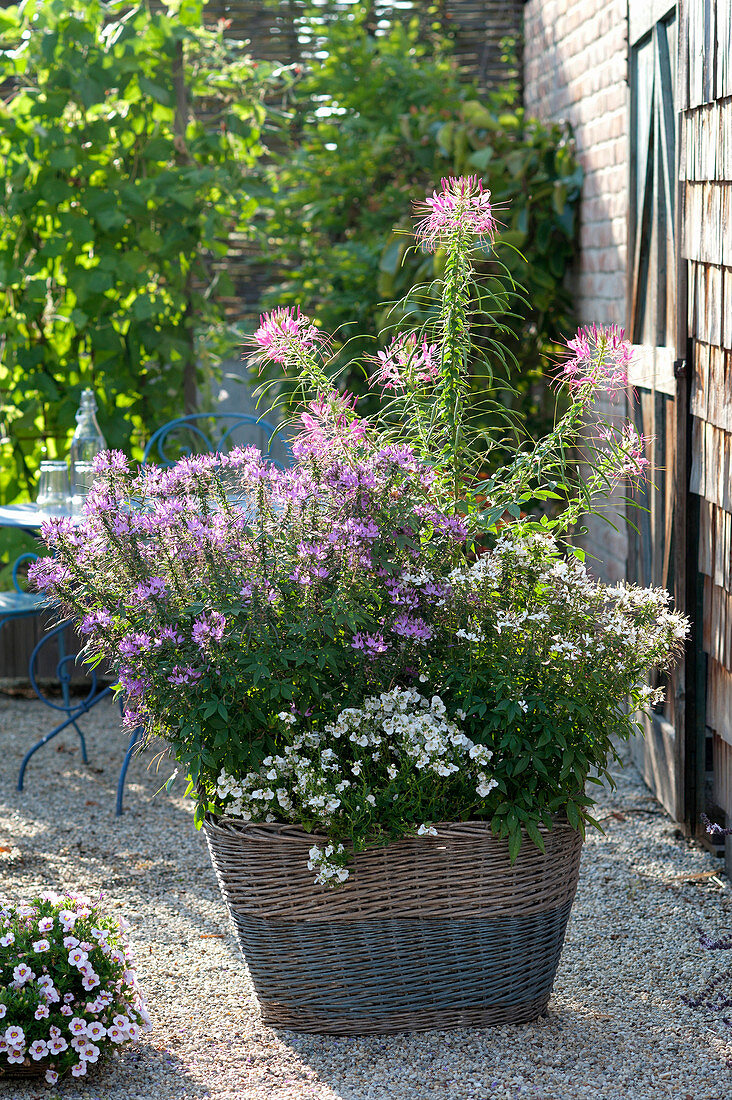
[573, 1048]
[138, 1073]
[62, 829]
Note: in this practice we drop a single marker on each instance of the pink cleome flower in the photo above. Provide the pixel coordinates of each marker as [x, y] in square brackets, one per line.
[285, 334]
[600, 356]
[461, 209]
[630, 451]
[329, 420]
[404, 363]
[626, 450]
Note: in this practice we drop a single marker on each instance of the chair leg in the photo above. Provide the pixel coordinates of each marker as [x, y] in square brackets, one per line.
[135, 740]
[39, 745]
[84, 757]
[65, 681]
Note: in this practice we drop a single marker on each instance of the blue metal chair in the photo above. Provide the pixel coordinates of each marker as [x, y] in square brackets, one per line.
[205, 433]
[19, 604]
[72, 707]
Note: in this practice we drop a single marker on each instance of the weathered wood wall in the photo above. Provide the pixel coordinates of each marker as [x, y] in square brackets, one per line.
[658, 407]
[705, 91]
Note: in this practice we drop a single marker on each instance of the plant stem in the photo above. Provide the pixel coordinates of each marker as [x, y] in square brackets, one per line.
[455, 347]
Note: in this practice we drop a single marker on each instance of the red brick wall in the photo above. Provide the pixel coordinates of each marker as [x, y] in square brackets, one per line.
[575, 64]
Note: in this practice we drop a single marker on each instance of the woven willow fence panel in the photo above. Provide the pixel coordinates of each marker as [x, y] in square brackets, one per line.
[279, 31]
[431, 932]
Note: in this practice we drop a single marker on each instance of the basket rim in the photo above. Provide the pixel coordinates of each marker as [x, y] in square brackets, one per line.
[470, 829]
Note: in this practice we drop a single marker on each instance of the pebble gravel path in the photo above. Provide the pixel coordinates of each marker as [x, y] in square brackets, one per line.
[617, 1025]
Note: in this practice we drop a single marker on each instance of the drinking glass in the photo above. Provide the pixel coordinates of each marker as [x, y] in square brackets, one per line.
[83, 478]
[54, 490]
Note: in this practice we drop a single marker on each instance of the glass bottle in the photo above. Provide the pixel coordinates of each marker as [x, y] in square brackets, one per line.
[87, 440]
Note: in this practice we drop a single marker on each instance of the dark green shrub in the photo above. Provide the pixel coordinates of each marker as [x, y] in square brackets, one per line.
[124, 146]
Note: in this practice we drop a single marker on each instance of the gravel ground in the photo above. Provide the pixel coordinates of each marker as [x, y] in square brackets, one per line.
[617, 1026]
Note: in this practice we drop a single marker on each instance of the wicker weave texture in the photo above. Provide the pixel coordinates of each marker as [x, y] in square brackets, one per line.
[35, 1069]
[430, 932]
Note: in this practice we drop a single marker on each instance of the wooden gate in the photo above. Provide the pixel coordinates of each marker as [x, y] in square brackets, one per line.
[705, 88]
[657, 545]
[680, 316]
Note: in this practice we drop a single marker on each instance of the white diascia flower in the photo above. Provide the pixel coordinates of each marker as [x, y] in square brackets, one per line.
[485, 785]
[329, 864]
[390, 742]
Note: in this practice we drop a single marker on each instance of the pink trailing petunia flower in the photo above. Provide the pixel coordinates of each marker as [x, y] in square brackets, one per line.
[284, 335]
[405, 363]
[462, 209]
[600, 356]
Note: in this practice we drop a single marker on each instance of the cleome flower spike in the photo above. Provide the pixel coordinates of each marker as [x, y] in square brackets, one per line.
[460, 210]
[285, 335]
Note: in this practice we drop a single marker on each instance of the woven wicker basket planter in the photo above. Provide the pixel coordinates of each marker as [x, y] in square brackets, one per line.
[34, 1071]
[431, 932]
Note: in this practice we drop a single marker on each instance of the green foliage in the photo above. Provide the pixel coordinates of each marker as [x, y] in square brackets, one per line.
[378, 121]
[535, 181]
[355, 155]
[125, 147]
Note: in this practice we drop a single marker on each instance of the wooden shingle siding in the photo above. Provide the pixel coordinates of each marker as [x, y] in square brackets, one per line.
[705, 91]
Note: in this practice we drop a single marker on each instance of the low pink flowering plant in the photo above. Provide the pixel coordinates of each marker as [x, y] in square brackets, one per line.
[68, 989]
[382, 636]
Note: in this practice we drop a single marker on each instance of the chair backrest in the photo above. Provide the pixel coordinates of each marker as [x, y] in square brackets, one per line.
[55, 663]
[21, 560]
[205, 433]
